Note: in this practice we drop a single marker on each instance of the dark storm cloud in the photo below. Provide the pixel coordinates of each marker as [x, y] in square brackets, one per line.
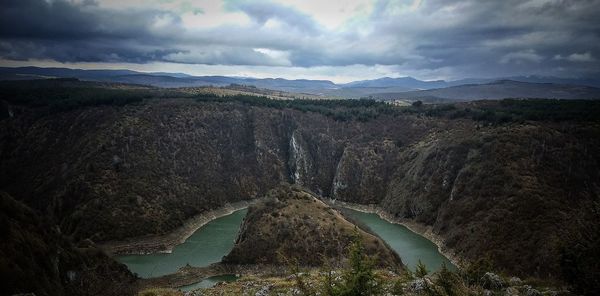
[68, 32]
[84, 32]
[262, 12]
[500, 37]
[460, 38]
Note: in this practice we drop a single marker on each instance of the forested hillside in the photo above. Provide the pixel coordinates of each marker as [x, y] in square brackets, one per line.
[515, 178]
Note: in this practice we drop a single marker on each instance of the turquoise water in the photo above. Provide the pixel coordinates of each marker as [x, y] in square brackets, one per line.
[215, 239]
[410, 246]
[209, 282]
[206, 246]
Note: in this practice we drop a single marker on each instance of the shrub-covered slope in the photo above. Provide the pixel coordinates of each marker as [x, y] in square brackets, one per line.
[508, 191]
[113, 172]
[294, 227]
[36, 258]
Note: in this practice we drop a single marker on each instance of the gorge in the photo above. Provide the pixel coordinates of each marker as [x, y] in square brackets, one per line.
[107, 173]
[299, 148]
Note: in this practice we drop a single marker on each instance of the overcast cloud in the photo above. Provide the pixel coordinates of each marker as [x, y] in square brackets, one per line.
[337, 40]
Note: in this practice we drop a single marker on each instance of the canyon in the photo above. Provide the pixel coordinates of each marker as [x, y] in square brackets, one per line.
[509, 192]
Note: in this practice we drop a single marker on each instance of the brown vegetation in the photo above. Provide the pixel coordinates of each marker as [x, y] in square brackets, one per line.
[294, 227]
[506, 189]
[36, 258]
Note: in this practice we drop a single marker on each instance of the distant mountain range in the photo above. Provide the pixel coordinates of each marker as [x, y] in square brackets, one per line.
[498, 90]
[385, 88]
[415, 84]
[162, 79]
[404, 82]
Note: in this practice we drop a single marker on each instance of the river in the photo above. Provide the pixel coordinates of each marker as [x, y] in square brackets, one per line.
[410, 246]
[206, 246]
[215, 239]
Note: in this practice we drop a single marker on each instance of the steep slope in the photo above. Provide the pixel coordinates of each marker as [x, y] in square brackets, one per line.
[95, 164]
[295, 226]
[515, 188]
[36, 258]
[488, 191]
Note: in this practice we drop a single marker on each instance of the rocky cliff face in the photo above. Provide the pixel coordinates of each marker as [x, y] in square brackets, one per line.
[114, 172]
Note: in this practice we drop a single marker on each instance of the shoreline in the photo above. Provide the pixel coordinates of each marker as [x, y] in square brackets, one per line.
[418, 228]
[165, 243]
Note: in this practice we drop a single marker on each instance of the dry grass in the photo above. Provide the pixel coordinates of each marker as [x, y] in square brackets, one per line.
[160, 292]
[294, 226]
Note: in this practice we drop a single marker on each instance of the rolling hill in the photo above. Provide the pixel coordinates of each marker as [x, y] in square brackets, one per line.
[498, 90]
[384, 88]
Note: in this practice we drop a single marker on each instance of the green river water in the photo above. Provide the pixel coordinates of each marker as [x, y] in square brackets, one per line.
[206, 246]
[410, 246]
[215, 239]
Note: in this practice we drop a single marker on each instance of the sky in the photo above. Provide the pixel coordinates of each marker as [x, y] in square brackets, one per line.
[335, 40]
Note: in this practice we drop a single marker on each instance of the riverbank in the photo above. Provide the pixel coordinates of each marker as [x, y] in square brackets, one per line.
[418, 228]
[166, 242]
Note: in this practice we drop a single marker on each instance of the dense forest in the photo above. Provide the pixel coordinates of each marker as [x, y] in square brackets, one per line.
[67, 94]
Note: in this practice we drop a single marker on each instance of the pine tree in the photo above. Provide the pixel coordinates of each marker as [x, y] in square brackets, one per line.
[359, 278]
[421, 270]
[448, 283]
